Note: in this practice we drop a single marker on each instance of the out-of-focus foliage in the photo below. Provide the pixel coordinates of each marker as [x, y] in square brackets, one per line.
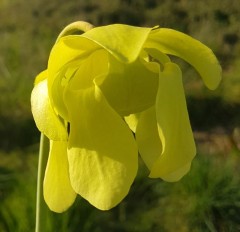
[208, 199]
[205, 200]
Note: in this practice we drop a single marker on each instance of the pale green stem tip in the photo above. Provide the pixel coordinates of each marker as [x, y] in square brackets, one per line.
[41, 207]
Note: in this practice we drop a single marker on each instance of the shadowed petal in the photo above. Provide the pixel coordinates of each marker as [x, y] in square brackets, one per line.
[130, 88]
[102, 152]
[57, 190]
[149, 144]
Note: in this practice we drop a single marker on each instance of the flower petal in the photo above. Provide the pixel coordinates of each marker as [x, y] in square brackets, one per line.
[45, 118]
[69, 48]
[132, 121]
[102, 151]
[57, 190]
[94, 65]
[191, 50]
[123, 41]
[178, 147]
[148, 141]
[78, 75]
[66, 57]
[130, 88]
[41, 77]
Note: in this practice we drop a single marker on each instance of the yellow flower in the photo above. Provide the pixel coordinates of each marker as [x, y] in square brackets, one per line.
[97, 86]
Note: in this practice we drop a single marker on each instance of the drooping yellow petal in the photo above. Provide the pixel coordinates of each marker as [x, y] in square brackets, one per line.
[45, 118]
[57, 190]
[102, 152]
[78, 75]
[94, 65]
[129, 88]
[191, 50]
[124, 42]
[147, 137]
[67, 55]
[178, 147]
[69, 48]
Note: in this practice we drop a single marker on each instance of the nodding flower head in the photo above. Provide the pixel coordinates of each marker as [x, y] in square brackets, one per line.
[103, 86]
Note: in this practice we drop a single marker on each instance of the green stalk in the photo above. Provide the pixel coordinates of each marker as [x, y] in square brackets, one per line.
[41, 207]
[79, 26]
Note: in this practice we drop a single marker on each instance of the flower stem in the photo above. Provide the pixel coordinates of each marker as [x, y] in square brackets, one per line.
[41, 207]
[79, 26]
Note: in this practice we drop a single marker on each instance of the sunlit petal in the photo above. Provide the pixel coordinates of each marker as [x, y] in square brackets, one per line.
[123, 41]
[57, 190]
[41, 77]
[191, 50]
[102, 152]
[178, 147]
[45, 117]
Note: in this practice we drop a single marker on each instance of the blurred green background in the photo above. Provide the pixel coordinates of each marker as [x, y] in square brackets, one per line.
[207, 199]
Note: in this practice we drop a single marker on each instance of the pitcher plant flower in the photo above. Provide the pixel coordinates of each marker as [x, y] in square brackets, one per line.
[108, 94]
